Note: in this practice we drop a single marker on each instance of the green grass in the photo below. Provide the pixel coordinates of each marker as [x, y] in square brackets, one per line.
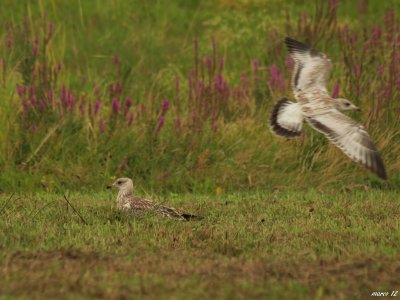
[265, 244]
[154, 43]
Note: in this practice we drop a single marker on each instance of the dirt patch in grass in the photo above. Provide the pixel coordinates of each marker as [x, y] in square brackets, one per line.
[71, 272]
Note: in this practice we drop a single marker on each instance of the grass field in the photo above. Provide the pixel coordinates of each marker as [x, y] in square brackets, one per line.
[275, 245]
[177, 95]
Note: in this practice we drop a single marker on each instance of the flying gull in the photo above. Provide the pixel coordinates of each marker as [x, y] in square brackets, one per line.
[320, 111]
[126, 201]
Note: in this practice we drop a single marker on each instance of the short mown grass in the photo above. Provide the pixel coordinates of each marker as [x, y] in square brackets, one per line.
[273, 244]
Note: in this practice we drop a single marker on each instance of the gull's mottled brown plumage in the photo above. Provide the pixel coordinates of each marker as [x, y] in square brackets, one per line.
[324, 113]
[138, 206]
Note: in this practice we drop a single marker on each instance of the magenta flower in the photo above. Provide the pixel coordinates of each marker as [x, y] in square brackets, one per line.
[276, 78]
[36, 46]
[115, 105]
[255, 65]
[177, 123]
[118, 88]
[97, 104]
[376, 33]
[128, 103]
[130, 120]
[381, 69]
[160, 124]
[164, 106]
[245, 80]
[42, 105]
[336, 89]
[219, 82]
[20, 90]
[102, 125]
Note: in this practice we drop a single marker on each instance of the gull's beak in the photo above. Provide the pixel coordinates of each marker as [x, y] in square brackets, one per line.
[110, 186]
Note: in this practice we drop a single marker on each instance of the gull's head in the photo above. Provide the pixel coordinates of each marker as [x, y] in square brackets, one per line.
[123, 184]
[344, 105]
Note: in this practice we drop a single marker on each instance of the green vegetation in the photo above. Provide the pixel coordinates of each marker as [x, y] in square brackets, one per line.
[177, 95]
[277, 245]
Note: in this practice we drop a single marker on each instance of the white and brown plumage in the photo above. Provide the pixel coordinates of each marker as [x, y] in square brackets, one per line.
[126, 201]
[322, 112]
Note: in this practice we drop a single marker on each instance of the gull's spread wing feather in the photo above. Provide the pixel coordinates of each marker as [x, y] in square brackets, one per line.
[350, 137]
[312, 68]
[286, 118]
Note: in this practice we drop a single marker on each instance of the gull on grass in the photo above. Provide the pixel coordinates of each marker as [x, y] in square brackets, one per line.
[138, 206]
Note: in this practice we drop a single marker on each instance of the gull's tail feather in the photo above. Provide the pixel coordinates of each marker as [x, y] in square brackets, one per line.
[286, 119]
[296, 46]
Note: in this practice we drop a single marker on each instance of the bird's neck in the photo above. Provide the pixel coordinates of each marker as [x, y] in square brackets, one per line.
[122, 194]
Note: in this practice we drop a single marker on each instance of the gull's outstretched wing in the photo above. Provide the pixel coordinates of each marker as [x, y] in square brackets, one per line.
[350, 137]
[311, 69]
[286, 118]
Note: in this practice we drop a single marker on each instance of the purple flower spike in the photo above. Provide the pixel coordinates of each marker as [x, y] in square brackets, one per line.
[160, 125]
[276, 79]
[102, 125]
[164, 106]
[36, 46]
[128, 103]
[380, 70]
[42, 105]
[336, 89]
[20, 90]
[118, 88]
[255, 65]
[178, 123]
[376, 33]
[115, 105]
[130, 120]
[97, 104]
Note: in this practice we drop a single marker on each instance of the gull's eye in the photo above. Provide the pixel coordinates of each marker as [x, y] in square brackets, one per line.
[119, 182]
[347, 104]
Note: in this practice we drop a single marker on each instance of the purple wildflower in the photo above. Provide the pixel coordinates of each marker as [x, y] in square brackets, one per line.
[115, 105]
[128, 103]
[336, 89]
[97, 104]
[36, 46]
[42, 105]
[160, 124]
[178, 123]
[102, 125]
[164, 106]
[20, 90]
[276, 78]
[118, 88]
[130, 119]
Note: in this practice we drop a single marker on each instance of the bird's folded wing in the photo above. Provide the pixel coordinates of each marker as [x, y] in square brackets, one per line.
[311, 69]
[350, 137]
[286, 118]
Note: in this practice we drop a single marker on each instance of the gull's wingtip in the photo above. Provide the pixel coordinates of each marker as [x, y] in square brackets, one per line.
[380, 168]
